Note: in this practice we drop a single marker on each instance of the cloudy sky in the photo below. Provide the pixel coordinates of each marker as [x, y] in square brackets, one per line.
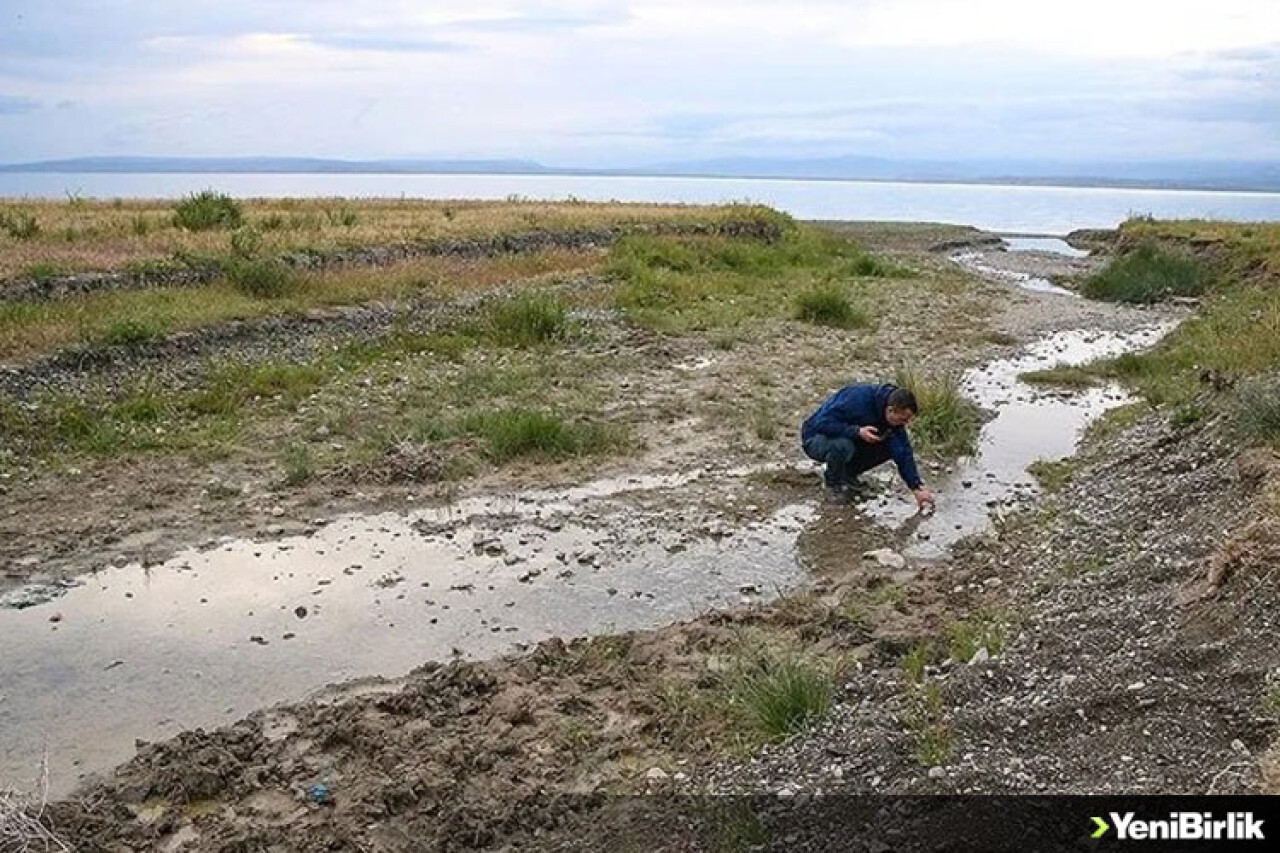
[612, 82]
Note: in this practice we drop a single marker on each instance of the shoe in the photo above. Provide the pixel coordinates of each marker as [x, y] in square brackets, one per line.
[857, 488]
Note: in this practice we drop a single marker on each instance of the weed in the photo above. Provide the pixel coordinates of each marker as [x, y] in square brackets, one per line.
[131, 332]
[782, 694]
[914, 661]
[298, 464]
[207, 210]
[1053, 474]
[927, 721]
[246, 242]
[1269, 704]
[264, 278]
[19, 225]
[893, 594]
[987, 629]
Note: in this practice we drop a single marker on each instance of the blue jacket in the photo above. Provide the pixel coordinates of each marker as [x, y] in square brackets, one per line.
[856, 406]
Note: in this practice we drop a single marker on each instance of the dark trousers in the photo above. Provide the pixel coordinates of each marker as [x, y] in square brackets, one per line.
[845, 458]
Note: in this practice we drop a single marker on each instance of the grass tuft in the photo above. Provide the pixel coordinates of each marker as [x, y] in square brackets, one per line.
[513, 433]
[783, 694]
[19, 224]
[264, 278]
[1260, 408]
[948, 423]
[525, 321]
[829, 305]
[131, 332]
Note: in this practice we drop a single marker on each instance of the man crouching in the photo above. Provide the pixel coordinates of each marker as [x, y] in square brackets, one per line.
[860, 427]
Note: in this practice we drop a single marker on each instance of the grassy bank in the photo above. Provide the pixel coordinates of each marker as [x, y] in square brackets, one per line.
[42, 238]
[1225, 358]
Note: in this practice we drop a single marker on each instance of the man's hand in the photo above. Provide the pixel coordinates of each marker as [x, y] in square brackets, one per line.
[924, 498]
[870, 435]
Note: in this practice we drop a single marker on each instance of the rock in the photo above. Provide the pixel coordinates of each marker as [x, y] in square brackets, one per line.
[980, 656]
[656, 774]
[937, 773]
[886, 557]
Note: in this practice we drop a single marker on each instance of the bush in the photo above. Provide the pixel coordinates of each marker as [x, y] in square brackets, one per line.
[948, 423]
[262, 277]
[206, 210]
[1148, 274]
[829, 305]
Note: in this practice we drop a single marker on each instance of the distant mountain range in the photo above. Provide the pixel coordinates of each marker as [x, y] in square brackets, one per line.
[1188, 174]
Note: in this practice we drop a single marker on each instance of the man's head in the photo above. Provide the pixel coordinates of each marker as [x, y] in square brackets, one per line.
[901, 408]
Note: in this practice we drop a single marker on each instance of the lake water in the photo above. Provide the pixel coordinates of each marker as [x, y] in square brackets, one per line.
[1039, 210]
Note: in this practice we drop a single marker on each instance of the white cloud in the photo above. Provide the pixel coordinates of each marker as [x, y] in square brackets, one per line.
[598, 80]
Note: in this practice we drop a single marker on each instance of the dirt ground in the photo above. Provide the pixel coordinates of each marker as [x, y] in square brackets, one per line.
[1136, 616]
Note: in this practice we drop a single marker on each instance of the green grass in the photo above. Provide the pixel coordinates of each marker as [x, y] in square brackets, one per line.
[1053, 474]
[948, 423]
[1064, 376]
[1269, 704]
[783, 694]
[207, 210]
[299, 467]
[927, 721]
[262, 278]
[526, 320]
[231, 386]
[1149, 274]
[19, 224]
[987, 628]
[914, 660]
[712, 282]
[1259, 408]
[42, 273]
[512, 433]
[830, 305]
[131, 332]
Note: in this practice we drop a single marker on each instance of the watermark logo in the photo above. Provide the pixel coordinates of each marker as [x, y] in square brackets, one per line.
[1182, 826]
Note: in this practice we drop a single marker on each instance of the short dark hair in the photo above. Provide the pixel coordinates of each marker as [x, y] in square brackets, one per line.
[901, 398]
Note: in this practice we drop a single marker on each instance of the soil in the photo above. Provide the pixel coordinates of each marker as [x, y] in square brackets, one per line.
[1137, 611]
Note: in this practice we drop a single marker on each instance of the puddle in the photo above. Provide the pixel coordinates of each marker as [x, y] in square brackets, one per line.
[976, 262]
[1031, 423]
[1052, 245]
[214, 634]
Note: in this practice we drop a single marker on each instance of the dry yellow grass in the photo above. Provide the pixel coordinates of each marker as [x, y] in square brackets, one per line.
[31, 329]
[100, 235]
